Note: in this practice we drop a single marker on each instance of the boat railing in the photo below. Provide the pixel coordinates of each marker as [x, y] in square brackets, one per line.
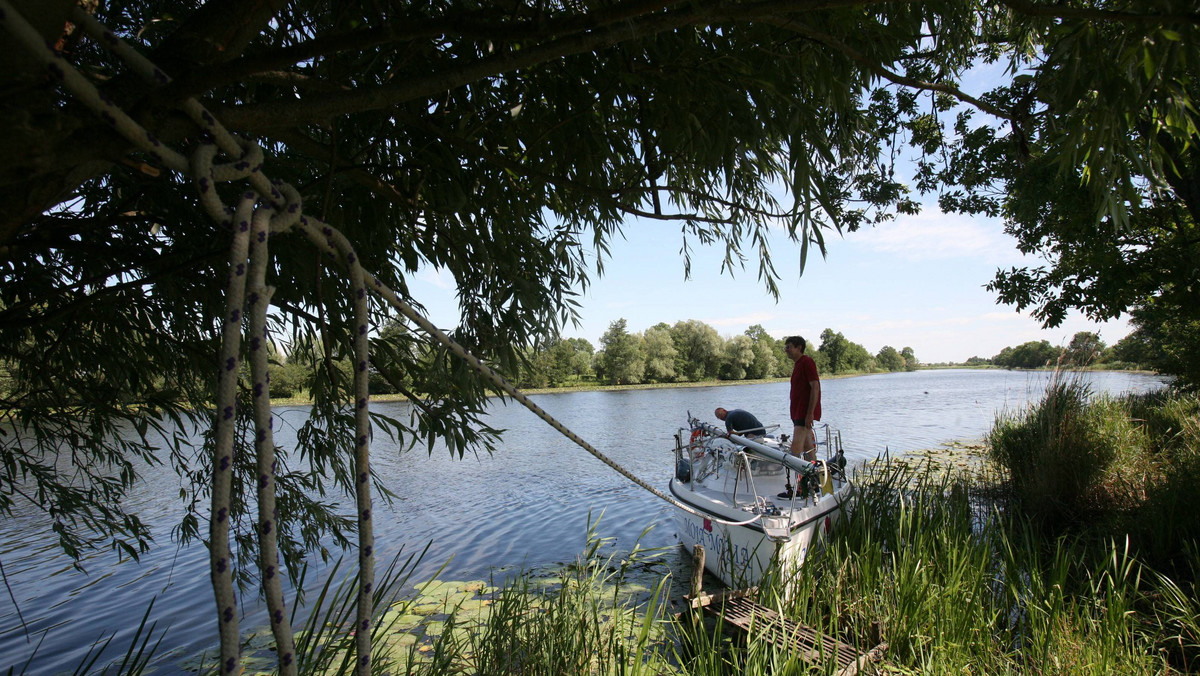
[762, 504]
[764, 431]
[793, 462]
[703, 459]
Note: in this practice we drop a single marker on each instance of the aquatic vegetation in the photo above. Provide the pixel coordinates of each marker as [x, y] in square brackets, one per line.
[591, 616]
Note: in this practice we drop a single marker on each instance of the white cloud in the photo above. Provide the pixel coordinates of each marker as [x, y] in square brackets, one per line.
[933, 235]
[439, 278]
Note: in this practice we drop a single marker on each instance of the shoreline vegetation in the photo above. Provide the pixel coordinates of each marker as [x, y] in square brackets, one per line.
[1064, 541]
[600, 387]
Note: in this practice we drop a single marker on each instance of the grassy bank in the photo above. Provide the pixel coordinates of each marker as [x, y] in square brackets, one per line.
[303, 399]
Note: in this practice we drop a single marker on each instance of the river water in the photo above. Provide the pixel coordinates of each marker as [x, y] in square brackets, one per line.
[525, 507]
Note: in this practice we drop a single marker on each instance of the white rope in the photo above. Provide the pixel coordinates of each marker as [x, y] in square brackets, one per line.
[258, 302]
[220, 555]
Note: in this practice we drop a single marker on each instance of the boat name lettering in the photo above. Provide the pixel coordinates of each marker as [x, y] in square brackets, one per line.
[714, 541]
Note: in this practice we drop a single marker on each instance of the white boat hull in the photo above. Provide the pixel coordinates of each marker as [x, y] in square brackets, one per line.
[739, 555]
[733, 499]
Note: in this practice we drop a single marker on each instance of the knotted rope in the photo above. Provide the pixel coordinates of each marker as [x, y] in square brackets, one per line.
[271, 207]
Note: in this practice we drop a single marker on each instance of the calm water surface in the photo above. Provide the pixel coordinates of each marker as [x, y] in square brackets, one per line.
[526, 506]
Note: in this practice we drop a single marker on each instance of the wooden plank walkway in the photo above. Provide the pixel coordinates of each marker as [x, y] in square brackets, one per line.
[738, 609]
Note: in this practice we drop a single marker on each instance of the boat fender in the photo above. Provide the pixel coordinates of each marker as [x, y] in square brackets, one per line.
[683, 471]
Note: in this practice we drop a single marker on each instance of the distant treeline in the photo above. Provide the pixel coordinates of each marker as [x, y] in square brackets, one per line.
[1085, 350]
[692, 351]
[688, 351]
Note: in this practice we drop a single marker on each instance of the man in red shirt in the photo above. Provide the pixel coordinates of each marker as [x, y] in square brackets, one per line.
[805, 398]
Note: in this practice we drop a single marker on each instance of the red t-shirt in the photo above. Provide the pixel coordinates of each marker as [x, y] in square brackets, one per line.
[803, 373]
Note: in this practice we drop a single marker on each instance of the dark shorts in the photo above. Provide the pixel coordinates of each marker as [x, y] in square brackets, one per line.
[799, 423]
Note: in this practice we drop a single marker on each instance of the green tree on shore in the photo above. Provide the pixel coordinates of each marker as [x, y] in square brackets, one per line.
[1106, 193]
[766, 353]
[660, 354]
[570, 360]
[833, 351]
[889, 359]
[1084, 349]
[737, 358]
[622, 359]
[697, 350]
[1033, 354]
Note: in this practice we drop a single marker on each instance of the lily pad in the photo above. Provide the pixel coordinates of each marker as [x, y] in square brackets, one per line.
[398, 621]
[473, 606]
[401, 640]
[435, 587]
[435, 628]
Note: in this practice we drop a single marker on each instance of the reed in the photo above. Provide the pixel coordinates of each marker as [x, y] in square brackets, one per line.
[1057, 451]
[1163, 517]
[136, 659]
[956, 588]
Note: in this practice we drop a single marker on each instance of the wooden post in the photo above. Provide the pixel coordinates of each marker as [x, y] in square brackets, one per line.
[698, 600]
[875, 632]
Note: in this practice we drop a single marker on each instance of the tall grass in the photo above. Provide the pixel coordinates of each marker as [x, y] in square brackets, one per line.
[1120, 467]
[957, 589]
[1058, 451]
[1165, 519]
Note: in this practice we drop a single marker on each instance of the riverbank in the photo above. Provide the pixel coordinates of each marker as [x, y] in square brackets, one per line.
[597, 387]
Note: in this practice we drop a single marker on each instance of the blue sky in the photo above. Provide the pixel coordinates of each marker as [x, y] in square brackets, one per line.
[916, 282]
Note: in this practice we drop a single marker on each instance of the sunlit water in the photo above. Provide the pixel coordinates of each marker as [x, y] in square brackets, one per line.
[527, 506]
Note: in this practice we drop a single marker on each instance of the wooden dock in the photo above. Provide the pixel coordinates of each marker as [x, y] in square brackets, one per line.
[738, 609]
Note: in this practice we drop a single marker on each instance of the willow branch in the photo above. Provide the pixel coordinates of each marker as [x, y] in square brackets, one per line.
[482, 24]
[274, 114]
[1059, 11]
[893, 77]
